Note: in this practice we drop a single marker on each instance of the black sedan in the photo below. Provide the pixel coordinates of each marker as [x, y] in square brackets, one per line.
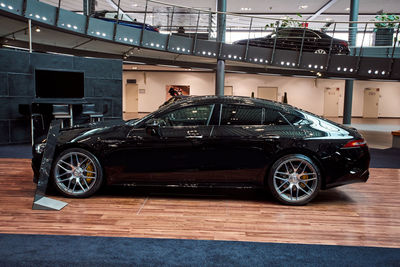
[212, 141]
[291, 38]
[111, 17]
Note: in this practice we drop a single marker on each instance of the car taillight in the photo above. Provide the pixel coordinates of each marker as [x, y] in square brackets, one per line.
[157, 30]
[356, 143]
[344, 43]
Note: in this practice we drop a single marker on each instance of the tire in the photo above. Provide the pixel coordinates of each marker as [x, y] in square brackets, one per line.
[294, 180]
[320, 51]
[77, 173]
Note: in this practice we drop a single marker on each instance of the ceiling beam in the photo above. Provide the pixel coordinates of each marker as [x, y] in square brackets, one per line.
[322, 9]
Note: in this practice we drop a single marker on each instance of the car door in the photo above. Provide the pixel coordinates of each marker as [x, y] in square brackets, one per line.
[244, 142]
[184, 132]
[311, 41]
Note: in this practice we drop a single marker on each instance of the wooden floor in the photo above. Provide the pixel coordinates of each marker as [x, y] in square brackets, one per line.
[359, 214]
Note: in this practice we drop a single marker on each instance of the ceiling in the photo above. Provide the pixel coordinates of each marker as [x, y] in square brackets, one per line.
[263, 7]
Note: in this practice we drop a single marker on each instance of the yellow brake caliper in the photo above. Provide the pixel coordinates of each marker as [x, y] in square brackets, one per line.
[90, 170]
[304, 177]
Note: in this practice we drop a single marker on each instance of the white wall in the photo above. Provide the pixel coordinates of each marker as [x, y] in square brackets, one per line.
[305, 93]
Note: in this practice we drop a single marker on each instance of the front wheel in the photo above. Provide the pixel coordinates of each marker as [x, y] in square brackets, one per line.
[320, 51]
[77, 173]
[294, 179]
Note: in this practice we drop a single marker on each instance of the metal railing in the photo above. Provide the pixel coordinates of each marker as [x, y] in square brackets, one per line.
[200, 23]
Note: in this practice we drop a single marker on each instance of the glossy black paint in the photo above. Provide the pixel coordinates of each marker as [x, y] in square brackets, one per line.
[291, 38]
[141, 152]
[134, 24]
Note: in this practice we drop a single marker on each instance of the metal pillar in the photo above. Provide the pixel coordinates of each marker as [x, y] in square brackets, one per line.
[221, 28]
[88, 7]
[348, 94]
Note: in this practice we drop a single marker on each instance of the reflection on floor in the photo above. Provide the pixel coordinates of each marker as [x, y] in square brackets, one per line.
[377, 132]
[366, 214]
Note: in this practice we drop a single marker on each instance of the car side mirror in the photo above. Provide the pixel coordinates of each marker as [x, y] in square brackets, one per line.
[153, 128]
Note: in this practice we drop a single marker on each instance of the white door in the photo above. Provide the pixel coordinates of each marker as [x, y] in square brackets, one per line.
[371, 102]
[270, 93]
[131, 97]
[228, 90]
[331, 102]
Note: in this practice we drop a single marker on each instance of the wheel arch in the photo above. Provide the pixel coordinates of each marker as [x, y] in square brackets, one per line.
[304, 151]
[63, 147]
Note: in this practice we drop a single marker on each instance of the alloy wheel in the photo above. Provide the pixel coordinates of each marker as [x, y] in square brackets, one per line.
[320, 51]
[75, 173]
[295, 180]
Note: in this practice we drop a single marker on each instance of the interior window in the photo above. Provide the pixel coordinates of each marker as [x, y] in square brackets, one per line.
[241, 115]
[272, 117]
[190, 116]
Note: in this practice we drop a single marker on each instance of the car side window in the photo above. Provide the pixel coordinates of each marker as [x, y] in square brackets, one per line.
[273, 117]
[241, 115]
[283, 33]
[190, 116]
[311, 34]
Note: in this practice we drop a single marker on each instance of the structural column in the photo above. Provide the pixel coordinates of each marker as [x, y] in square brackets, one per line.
[221, 28]
[348, 94]
[88, 7]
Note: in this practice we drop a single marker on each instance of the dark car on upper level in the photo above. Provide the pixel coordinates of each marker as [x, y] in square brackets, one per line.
[212, 141]
[292, 39]
[125, 20]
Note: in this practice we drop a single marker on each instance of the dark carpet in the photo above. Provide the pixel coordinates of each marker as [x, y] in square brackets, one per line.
[41, 250]
[385, 158]
[380, 158]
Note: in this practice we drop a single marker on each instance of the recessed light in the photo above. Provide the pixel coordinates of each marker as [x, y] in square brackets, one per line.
[347, 9]
[303, 7]
[245, 8]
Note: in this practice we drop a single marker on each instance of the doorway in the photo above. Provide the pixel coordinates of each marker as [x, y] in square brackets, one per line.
[228, 90]
[270, 93]
[131, 98]
[371, 103]
[331, 102]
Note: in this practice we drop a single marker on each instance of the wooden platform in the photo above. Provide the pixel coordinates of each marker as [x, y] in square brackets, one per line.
[358, 215]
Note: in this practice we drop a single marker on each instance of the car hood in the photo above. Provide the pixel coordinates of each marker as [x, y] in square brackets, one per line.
[86, 132]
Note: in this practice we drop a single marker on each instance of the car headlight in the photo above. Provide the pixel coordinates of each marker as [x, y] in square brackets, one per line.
[39, 148]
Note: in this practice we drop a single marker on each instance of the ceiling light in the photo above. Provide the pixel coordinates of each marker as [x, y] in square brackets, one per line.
[303, 7]
[245, 8]
[37, 29]
[347, 9]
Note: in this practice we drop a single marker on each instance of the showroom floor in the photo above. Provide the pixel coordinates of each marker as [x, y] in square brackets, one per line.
[357, 215]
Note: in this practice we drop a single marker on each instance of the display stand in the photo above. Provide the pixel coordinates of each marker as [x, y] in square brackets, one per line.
[41, 202]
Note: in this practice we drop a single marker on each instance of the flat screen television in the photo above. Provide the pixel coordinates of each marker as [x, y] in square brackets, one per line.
[59, 84]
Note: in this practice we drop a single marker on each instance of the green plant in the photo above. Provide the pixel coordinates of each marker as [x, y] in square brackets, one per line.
[385, 20]
[287, 22]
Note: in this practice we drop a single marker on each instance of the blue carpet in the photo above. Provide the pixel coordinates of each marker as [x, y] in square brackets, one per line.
[23, 151]
[44, 250]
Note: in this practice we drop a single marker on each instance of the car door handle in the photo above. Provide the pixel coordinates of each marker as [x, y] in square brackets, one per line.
[193, 136]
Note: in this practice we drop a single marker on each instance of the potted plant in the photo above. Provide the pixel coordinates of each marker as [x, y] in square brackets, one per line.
[287, 22]
[384, 29]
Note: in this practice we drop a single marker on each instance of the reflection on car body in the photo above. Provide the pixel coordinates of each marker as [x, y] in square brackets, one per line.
[213, 141]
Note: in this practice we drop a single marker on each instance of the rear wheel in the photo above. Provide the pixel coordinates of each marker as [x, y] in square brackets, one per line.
[77, 173]
[294, 179]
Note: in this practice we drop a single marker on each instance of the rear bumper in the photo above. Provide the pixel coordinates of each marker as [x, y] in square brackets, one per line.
[360, 176]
